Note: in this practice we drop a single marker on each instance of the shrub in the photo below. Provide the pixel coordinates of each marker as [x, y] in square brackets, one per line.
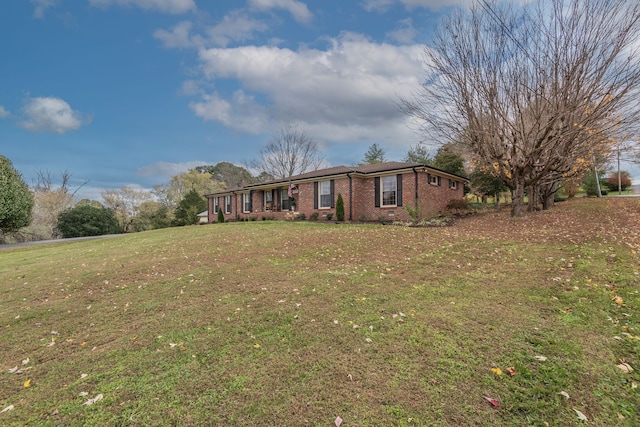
[220, 216]
[414, 213]
[329, 216]
[301, 217]
[313, 216]
[458, 205]
[340, 208]
[612, 181]
[85, 220]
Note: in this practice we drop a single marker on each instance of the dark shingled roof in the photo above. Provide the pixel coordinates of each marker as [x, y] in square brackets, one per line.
[337, 170]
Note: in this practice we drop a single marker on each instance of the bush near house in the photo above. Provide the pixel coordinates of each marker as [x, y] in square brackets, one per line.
[611, 181]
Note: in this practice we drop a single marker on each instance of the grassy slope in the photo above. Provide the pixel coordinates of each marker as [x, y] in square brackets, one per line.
[298, 323]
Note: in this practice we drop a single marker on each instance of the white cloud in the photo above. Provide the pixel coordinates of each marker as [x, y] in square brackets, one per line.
[405, 34]
[241, 112]
[4, 112]
[166, 6]
[41, 6]
[167, 169]
[350, 90]
[178, 37]
[50, 114]
[297, 9]
[384, 5]
[236, 26]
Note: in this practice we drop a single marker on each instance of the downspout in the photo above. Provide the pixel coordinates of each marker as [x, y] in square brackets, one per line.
[350, 198]
[235, 199]
[415, 174]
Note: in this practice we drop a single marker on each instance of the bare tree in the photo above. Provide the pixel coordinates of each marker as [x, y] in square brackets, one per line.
[289, 153]
[534, 91]
[125, 203]
[52, 196]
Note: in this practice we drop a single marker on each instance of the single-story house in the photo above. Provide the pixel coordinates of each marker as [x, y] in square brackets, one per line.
[369, 193]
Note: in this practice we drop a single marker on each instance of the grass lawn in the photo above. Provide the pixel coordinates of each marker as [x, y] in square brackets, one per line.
[295, 324]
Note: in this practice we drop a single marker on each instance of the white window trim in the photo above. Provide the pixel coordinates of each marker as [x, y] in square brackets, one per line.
[227, 204]
[395, 190]
[246, 202]
[453, 185]
[320, 194]
[433, 180]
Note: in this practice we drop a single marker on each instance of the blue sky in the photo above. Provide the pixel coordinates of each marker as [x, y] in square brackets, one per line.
[132, 92]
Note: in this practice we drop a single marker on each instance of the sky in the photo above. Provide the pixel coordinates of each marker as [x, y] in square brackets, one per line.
[132, 92]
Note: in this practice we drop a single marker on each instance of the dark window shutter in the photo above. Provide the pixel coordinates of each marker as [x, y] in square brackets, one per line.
[376, 189]
[251, 201]
[439, 181]
[262, 201]
[332, 191]
[399, 189]
[315, 195]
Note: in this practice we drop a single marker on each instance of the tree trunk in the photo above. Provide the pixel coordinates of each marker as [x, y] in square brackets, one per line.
[517, 202]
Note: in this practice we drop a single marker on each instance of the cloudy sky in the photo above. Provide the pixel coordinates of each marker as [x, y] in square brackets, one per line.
[132, 92]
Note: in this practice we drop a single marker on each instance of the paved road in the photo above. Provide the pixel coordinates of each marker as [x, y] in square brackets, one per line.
[40, 242]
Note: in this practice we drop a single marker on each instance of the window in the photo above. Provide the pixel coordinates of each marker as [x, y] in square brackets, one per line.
[227, 204]
[286, 203]
[453, 184]
[215, 205]
[324, 192]
[389, 188]
[434, 180]
[246, 202]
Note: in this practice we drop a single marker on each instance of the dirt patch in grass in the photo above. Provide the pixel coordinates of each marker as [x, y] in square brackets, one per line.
[271, 323]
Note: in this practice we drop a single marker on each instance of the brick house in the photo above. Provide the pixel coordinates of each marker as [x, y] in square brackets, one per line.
[369, 193]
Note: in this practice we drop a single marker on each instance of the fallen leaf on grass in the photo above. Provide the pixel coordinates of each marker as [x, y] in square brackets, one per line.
[564, 393]
[94, 400]
[581, 416]
[27, 384]
[618, 300]
[512, 371]
[496, 371]
[625, 367]
[25, 361]
[338, 421]
[256, 345]
[15, 370]
[540, 358]
[493, 402]
[7, 409]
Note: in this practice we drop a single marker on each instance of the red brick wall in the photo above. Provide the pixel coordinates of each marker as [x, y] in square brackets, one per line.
[432, 199]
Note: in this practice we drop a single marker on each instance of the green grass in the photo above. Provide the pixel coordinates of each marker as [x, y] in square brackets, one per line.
[273, 323]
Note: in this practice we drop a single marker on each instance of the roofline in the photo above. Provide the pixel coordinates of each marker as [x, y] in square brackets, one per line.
[352, 172]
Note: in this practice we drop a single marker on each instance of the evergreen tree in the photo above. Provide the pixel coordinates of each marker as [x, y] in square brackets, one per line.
[16, 201]
[220, 216]
[340, 208]
[189, 208]
[448, 160]
[418, 154]
[374, 155]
